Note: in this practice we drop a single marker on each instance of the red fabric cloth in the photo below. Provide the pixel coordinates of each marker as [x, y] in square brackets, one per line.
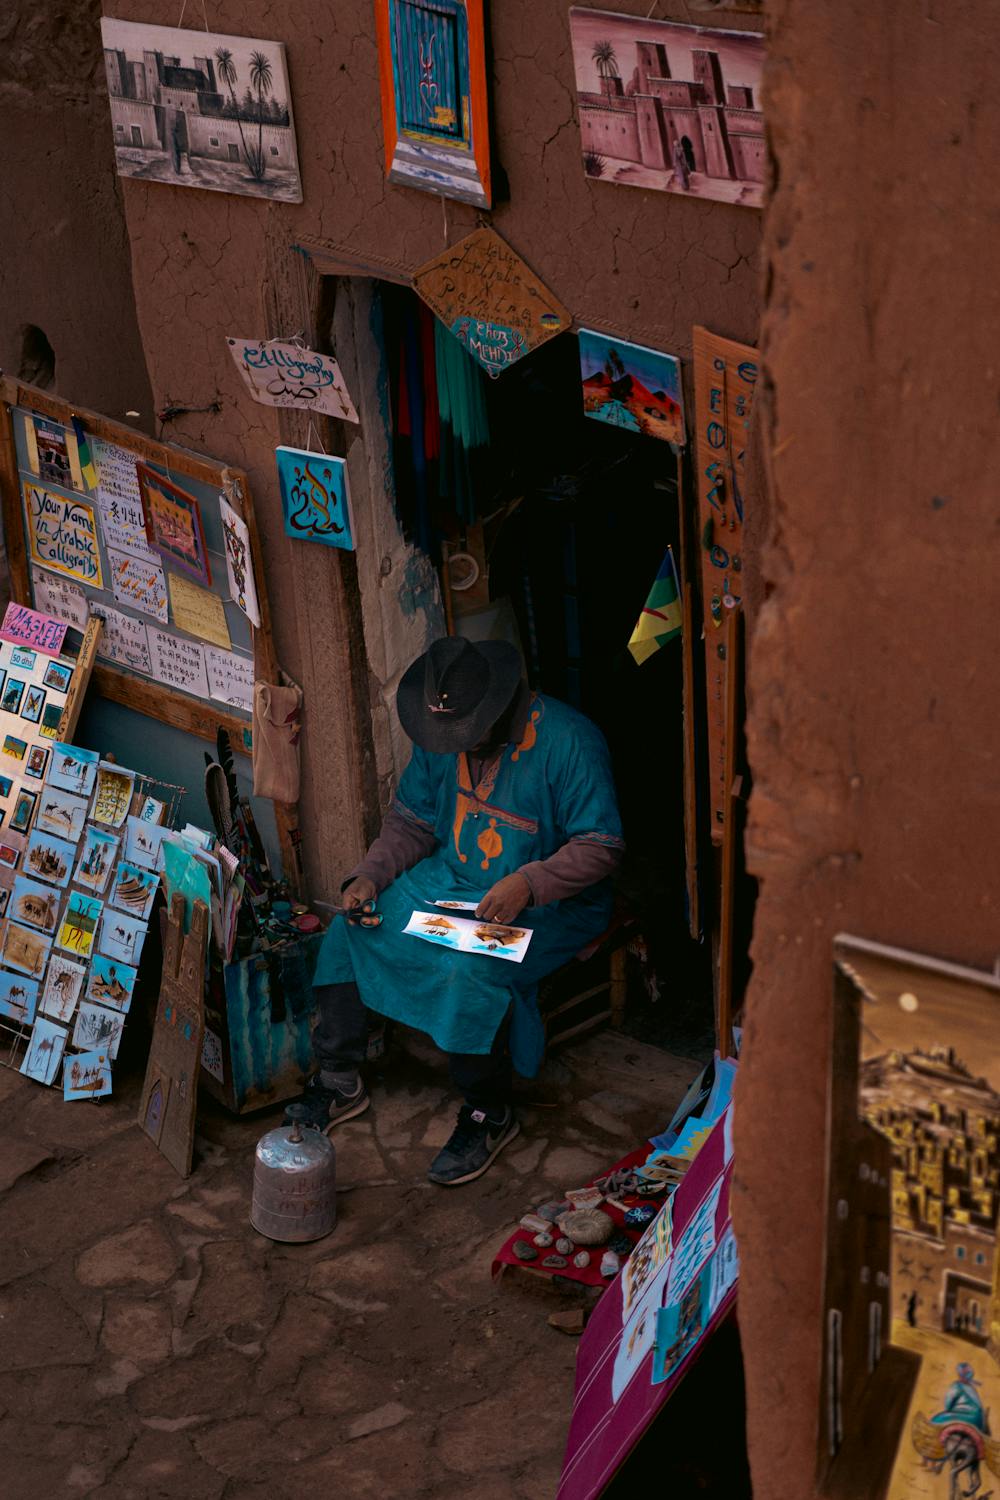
[432, 416]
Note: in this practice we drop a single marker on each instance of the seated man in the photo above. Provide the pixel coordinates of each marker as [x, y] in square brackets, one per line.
[507, 801]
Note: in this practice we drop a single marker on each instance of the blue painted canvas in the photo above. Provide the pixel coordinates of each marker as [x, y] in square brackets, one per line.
[315, 498]
[631, 387]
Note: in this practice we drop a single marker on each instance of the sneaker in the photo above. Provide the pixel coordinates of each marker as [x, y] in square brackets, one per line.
[321, 1108]
[474, 1142]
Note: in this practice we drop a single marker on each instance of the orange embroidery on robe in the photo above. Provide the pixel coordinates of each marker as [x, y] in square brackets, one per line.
[490, 843]
[467, 800]
[530, 735]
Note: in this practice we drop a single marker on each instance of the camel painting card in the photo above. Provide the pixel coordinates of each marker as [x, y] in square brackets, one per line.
[133, 890]
[79, 924]
[200, 109]
[34, 702]
[121, 937]
[86, 1075]
[631, 387]
[49, 858]
[45, 1052]
[24, 807]
[143, 840]
[111, 983]
[114, 795]
[173, 525]
[34, 905]
[465, 936]
[73, 770]
[64, 982]
[97, 1028]
[61, 814]
[25, 950]
[18, 998]
[34, 765]
[97, 857]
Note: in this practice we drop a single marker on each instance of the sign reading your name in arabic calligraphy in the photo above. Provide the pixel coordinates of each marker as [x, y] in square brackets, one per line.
[285, 375]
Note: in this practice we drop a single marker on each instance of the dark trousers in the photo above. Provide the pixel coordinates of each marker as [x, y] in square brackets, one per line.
[340, 1042]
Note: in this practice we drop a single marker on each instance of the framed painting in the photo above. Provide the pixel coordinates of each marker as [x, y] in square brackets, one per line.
[198, 109]
[670, 106]
[435, 113]
[631, 387]
[315, 497]
[173, 524]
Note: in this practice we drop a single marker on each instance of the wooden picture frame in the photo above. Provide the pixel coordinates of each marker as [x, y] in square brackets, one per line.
[435, 106]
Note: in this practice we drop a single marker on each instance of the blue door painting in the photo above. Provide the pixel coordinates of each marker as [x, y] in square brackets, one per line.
[314, 497]
[432, 46]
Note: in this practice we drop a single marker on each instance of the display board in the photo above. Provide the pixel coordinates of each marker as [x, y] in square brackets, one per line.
[101, 520]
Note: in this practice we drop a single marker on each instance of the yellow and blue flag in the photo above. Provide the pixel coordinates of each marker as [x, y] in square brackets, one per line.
[660, 620]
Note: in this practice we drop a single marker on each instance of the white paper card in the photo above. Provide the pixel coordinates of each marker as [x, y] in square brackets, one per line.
[239, 562]
[119, 501]
[59, 598]
[489, 938]
[139, 582]
[123, 639]
[178, 663]
[284, 375]
[230, 677]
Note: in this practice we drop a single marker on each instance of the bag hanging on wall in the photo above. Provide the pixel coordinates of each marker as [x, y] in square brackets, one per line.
[277, 724]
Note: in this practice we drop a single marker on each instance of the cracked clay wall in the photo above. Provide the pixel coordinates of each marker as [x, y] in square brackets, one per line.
[873, 721]
[644, 265]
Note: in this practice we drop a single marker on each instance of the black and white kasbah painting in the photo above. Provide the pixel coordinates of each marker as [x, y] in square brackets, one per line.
[196, 109]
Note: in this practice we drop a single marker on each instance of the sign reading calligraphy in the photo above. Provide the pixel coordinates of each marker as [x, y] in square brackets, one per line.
[279, 374]
[63, 535]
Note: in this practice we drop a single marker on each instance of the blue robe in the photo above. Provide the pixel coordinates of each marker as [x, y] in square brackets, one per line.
[553, 786]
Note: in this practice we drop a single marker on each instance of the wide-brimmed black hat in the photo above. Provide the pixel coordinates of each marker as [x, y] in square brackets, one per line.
[451, 697]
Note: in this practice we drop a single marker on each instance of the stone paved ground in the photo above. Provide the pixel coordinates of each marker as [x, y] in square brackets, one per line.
[152, 1344]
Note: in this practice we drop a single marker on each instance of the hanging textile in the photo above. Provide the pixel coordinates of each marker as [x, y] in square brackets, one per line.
[465, 429]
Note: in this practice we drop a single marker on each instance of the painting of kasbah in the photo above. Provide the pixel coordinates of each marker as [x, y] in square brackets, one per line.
[199, 110]
[670, 106]
[929, 1085]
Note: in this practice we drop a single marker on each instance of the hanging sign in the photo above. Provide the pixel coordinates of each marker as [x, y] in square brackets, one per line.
[315, 497]
[725, 378]
[62, 534]
[26, 627]
[278, 374]
[491, 300]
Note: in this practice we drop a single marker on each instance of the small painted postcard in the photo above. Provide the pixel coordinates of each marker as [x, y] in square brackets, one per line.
[6, 787]
[315, 497]
[114, 794]
[465, 936]
[98, 1028]
[25, 950]
[86, 1075]
[142, 841]
[458, 905]
[111, 983]
[140, 583]
[12, 695]
[35, 905]
[79, 924]
[18, 998]
[97, 858]
[134, 890]
[61, 814]
[73, 770]
[122, 937]
[11, 846]
[51, 720]
[20, 818]
[63, 986]
[50, 858]
[58, 677]
[173, 524]
[34, 702]
[631, 387]
[36, 762]
[647, 1262]
[15, 748]
[45, 1052]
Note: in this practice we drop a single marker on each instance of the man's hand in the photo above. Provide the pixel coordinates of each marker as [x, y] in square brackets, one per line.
[505, 901]
[358, 892]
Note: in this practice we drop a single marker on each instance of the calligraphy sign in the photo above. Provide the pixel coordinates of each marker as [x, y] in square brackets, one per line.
[278, 374]
[725, 377]
[63, 535]
[26, 627]
[315, 498]
[490, 300]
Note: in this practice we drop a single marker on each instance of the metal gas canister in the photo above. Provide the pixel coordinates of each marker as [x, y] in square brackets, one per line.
[294, 1185]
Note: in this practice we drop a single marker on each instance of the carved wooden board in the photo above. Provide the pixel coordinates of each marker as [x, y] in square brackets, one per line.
[170, 1091]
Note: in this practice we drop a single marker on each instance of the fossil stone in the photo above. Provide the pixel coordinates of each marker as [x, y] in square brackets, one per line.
[610, 1263]
[588, 1197]
[551, 1211]
[564, 1246]
[543, 1241]
[524, 1251]
[587, 1226]
[581, 1259]
[555, 1262]
[536, 1224]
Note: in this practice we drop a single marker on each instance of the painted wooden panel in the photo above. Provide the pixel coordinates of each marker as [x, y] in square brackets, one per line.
[432, 76]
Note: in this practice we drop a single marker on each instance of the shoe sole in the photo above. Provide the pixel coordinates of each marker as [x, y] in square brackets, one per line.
[350, 1113]
[505, 1140]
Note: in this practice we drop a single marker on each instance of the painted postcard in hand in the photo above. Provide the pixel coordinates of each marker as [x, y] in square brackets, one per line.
[133, 890]
[631, 387]
[140, 583]
[98, 1028]
[62, 535]
[142, 842]
[200, 109]
[315, 497]
[96, 859]
[18, 998]
[122, 937]
[239, 562]
[86, 1075]
[49, 858]
[467, 936]
[61, 814]
[73, 770]
[45, 1052]
[25, 950]
[114, 794]
[111, 983]
[35, 905]
[173, 524]
[279, 374]
[79, 924]
[63, 985]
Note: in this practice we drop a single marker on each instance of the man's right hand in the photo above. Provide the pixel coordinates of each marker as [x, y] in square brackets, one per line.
[358, 892]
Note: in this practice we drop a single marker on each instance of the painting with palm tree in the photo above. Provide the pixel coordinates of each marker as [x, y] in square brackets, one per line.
[196, 109]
